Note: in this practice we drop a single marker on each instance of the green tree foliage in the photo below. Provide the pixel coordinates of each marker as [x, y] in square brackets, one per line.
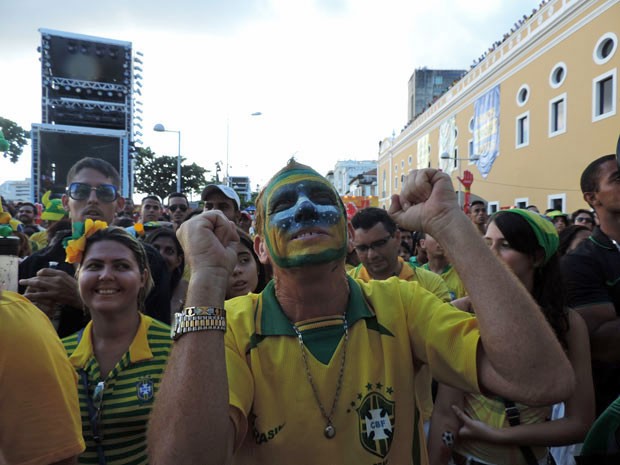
[157, 174]
[16, 136]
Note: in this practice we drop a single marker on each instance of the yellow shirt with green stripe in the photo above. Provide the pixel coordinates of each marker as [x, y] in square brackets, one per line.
[452, 280]
[432, 282]
[492, 412]
[392, 324]
[128, 394]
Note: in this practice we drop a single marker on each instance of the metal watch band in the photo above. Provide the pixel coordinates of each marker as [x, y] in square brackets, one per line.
[192, 319]
[207, 311]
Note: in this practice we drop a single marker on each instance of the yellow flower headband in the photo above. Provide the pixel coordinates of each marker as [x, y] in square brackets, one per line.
[81, 231]
[139, 228]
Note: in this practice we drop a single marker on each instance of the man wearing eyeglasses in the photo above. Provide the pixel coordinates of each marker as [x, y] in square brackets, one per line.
[376, 241]
[48, 281]
[178, 208]
[583, 217]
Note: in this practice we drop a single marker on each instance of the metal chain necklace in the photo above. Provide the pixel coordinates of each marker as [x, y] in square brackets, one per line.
[330, 430]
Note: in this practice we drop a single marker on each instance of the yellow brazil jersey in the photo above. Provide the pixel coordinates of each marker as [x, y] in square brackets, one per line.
[452, 280]
[39, 414]
[390, 323]
[430, 281]
[434, 283]
[492, 412]
[128, 391]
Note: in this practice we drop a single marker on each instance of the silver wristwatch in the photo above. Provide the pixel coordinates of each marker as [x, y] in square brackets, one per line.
[192, 319]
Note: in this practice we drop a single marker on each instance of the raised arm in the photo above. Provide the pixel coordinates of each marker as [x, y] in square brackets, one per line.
[513, 330]
[190, 421]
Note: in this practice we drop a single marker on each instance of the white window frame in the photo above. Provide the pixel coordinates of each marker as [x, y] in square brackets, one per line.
[526, 140]
[559, 65]
[495, 205]
[524, 200]
[395, 182]
[553, 116]
[595, 53]
[595, 95]
[470, 149]
[552, 197]
[527, 95]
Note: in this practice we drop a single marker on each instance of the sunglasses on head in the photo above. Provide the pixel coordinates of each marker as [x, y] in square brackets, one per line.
[81, 191]
[174, 208]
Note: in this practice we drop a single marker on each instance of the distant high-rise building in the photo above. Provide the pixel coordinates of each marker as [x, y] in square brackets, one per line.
[426, 85]
[346, 170]
[241, 184]
[16, 190]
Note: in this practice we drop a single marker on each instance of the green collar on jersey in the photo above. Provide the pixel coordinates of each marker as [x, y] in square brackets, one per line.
[271, 320]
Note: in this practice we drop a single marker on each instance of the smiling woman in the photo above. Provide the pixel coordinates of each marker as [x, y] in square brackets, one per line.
[120, 355]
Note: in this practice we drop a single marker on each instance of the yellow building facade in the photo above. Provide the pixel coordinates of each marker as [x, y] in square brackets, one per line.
[556, 110]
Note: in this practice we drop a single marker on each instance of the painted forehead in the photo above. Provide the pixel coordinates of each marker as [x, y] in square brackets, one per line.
[290, 178]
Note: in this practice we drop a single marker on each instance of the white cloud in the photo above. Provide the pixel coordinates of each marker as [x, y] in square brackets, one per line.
[329, 76]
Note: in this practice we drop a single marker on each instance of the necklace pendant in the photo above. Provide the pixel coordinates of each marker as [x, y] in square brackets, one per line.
[329, 431]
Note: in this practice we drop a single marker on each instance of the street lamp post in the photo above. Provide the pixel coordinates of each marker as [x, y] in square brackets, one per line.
[160, 128]
[256, 113]
[446, 156]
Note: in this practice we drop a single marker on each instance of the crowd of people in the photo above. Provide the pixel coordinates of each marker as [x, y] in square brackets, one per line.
[418, 334]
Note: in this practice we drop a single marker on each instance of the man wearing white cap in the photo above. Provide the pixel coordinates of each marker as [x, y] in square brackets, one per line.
[223, 198]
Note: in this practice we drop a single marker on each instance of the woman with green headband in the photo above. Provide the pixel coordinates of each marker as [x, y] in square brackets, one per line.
[476, 429]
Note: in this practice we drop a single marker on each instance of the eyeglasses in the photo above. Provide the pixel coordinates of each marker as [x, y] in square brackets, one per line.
[583, 219]
[363, 248]
[174, 208]
[81, 191]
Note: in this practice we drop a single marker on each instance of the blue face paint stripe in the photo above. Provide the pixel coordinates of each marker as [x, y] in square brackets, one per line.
[305, 190]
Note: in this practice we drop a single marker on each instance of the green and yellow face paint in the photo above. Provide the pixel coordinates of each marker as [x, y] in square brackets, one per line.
[304, 219]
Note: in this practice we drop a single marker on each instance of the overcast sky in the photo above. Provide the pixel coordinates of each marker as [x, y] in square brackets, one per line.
[329, 76]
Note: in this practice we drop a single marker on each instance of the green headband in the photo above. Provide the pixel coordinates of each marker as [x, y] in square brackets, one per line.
[546, 234]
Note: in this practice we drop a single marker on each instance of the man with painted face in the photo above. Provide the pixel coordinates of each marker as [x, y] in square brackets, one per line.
[319, 367]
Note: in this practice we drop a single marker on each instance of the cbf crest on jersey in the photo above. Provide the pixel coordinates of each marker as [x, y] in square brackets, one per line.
[145, 389]
[377, 418]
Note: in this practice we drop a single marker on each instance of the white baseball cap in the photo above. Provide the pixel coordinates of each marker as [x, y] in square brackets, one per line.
[224, 189]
